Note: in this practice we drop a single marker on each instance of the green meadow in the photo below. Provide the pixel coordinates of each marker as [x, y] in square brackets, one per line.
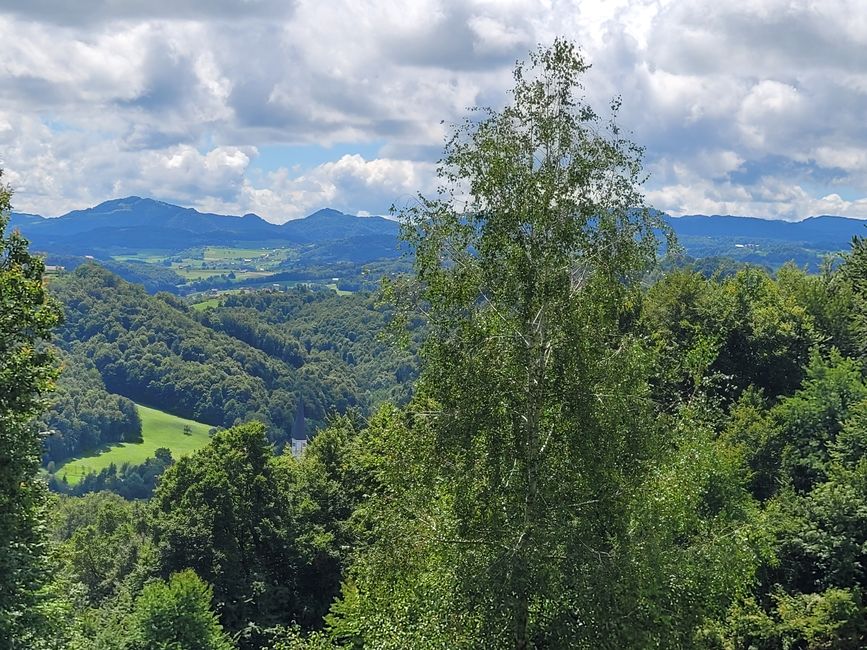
[206, 304]
[159, 429]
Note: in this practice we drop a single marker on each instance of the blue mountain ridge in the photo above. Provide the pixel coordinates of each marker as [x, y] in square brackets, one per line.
[819, 232]
[135, 222]
[138, 223]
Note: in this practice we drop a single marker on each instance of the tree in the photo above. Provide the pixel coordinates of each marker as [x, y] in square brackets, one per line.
[742, 331]
[176, 614]
[102, 542]
[224, 512]
[27, 371]
[511, 486]
[328, 484]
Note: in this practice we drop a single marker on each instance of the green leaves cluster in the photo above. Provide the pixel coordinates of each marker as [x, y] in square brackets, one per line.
[27, 372]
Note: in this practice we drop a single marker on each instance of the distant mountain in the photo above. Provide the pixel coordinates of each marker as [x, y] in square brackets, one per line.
[825, 232]
[766, 242]
[136, 223]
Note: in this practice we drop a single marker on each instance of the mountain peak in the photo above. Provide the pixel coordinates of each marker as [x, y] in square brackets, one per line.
[126, 201]
[326, 213]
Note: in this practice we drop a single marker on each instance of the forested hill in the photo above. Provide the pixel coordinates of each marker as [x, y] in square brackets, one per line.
[257, 357]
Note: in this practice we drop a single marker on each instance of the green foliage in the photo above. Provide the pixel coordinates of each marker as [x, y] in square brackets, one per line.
[341, 346]
[176, 615]
[823, 540]
[328, 484]
[751, 428]
[854, 271]
[810, 421]
[831, 620]
[293, 638]
[103, 543]
[698, 535]
[514, 500]
[224, 512]
[27, 371]
[808, 451]
[741, 331]
[674, 311]
[83, 415]
[828, 299]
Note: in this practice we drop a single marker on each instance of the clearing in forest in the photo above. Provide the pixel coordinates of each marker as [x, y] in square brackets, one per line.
[159, 429]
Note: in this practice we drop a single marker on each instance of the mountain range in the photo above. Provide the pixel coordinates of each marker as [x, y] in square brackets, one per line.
[135, 223]
[141, 223]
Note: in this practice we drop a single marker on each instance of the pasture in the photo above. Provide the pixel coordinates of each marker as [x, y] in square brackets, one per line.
[159, 429]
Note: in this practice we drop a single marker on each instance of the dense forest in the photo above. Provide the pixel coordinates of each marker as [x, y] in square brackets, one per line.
[252, 358]
[83, 415]
[576, 446]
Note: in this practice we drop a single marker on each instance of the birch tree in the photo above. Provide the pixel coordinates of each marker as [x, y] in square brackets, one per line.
[515, 488]
[526, 272]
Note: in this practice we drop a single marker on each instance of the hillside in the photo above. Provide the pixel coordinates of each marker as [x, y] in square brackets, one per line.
[255, 357]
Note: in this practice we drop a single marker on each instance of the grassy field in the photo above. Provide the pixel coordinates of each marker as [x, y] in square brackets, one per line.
[199, 274]
[215, 253]
[256, 255]
[340, 292]
[205, 304]
[159, 429]
[149, 256]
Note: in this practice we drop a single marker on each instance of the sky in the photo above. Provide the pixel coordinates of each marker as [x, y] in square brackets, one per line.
[282, 107]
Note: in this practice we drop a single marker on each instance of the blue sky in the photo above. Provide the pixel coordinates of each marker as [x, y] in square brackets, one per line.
[277, 107]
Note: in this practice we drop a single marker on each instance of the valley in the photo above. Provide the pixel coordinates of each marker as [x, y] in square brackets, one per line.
[253, 328]
[433, 326]
[210, 362]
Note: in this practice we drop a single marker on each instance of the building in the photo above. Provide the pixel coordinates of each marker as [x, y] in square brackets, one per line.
[299, 432]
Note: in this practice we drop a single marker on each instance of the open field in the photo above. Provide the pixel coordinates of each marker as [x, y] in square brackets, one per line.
[199, 274]
[149, 256]
[258, 256]
[159, 429]
[220, 253]
[340, 292]
[205, 304]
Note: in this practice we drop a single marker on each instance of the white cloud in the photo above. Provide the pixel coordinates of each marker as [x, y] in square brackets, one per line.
[753, 107]
[351, 184]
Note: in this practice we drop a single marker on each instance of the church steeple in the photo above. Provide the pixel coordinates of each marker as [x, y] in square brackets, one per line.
[299, 425]
[299, 431]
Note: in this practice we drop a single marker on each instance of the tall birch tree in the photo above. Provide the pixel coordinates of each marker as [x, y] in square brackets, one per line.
[526, 271]
[516, 500]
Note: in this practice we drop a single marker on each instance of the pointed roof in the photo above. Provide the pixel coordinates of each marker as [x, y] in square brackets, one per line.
[299, 426]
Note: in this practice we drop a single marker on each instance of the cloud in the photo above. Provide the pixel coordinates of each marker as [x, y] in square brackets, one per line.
[753, 107]
[84, 12]
[351, 184]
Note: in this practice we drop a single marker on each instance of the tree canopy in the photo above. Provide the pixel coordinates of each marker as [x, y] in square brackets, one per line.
[27, 372]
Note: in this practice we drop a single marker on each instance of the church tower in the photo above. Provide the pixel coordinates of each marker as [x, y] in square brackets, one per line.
[299, 431]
